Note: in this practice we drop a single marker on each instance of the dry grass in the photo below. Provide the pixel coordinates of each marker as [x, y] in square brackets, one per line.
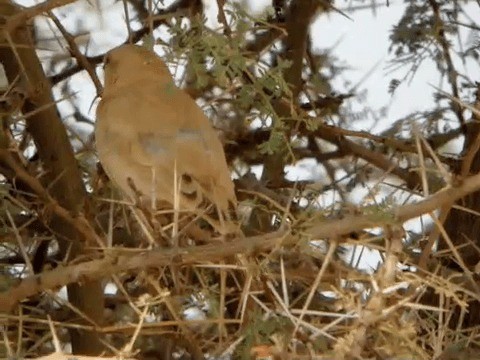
[299, 292]
[295, 299]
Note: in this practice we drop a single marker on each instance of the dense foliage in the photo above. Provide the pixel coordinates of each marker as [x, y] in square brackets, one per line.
[373, 255]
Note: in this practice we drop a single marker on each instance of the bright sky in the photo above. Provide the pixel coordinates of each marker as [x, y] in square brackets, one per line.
[363, 43]
[360, 42]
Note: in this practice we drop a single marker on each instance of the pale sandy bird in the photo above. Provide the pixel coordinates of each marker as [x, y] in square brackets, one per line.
[149, 133]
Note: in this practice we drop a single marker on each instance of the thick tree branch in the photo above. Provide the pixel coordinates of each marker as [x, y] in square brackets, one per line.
[451, 71]
[20, 61]
[117, 261]
[300, 15]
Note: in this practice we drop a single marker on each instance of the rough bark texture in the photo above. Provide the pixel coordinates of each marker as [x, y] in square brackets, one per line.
[298, 19]
[62, 175]
[463, 227]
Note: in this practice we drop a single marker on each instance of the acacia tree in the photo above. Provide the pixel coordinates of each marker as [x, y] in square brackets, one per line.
[289, 287]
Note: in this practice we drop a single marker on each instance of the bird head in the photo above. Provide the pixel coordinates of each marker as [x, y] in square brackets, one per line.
[128, 64]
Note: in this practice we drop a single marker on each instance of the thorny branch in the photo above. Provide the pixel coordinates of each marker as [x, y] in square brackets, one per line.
[451, 71]
[116, 260]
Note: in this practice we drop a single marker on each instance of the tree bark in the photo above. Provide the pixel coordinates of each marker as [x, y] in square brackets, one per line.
[61, 170]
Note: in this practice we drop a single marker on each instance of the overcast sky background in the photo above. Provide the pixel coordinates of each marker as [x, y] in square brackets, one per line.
[361, 42]
[364, 41]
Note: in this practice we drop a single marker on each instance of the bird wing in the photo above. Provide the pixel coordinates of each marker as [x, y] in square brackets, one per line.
[195, 150]
[163, 129]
